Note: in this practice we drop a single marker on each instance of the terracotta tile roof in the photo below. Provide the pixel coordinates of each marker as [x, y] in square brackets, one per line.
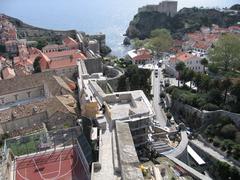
[61, 53]
[140, 54]
[70, 41]
[62, 59]
[183, 56]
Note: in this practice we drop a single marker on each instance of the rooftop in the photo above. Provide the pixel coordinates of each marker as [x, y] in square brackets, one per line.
[54, 83]
[140, 54]
[65, 103]
[123, 105]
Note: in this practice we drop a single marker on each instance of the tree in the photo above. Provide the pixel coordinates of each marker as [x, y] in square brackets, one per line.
[2, 49]
[213, 68]
[226, 52]
[191, 75]
[41, 43]
[204, 62]
[215, 84]
[226, 85]
[36, 65]
[105, 50]
[228, 131]
[160, 40]
[214, 96]
[236, 91]
[197, 80]
[137, 43]
[205, 82]
[122, 85]
[180, 66]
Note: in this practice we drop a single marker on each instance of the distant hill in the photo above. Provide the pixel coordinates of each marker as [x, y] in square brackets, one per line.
[29, 32]
[235, 7]
[186, 20]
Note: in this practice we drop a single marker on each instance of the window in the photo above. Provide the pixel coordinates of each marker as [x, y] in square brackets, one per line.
[29, 94]
[16, 97]
[2, 101]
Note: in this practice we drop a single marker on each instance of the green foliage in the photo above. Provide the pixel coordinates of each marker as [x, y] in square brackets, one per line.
[122, 85]
[187, 97]
[228, 131]
[169, 115]
[162, 95]
[41, 43]
[216, 142]
[2, 49]
[213, 68]
[137, 78]
[137, 43]
[36, 65]
[226, 52]
[236, 91]
[105, 50]
[204, 62]
[186, 20]
[210, 107]
[214, 96]
[160, 40]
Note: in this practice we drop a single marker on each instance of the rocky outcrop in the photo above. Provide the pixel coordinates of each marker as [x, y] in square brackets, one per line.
[186, 20]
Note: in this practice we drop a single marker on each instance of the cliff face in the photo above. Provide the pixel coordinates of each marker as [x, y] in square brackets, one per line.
[186, 20]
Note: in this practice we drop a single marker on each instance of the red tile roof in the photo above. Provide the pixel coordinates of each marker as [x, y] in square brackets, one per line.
[61, 59]
[182, 56]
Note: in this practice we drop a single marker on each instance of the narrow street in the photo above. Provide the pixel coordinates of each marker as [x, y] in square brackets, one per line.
[156, 90]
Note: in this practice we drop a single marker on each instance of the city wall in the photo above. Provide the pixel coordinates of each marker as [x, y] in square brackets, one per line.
[204, 117]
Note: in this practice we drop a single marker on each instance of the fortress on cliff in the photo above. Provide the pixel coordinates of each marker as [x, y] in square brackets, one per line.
[168, 7]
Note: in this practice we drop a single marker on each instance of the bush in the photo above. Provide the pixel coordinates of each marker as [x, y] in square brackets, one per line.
[162, 95]
[216, 142]
[237, 137]
[210, 107]
[228, 131]
[214, 96]
[169, 115]
[169, 90]
[210, 140]
[213, 68]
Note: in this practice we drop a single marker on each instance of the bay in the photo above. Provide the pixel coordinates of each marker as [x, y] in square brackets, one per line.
[92, 16]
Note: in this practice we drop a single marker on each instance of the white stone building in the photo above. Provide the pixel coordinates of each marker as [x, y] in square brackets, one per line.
[191, 61]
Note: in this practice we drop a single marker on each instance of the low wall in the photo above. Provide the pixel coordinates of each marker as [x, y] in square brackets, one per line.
[113, 76]
[203, 117]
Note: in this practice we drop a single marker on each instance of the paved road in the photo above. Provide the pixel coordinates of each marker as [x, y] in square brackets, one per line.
[160, 116]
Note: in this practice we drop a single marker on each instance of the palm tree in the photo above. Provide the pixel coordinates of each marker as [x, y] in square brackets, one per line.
[205, 82]
[226, 85]
[197, 80]
[180, 66]
[191, 75]
[204, 62]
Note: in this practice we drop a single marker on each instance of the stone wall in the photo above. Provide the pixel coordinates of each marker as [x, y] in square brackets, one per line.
[26, 122]
[114, 75]
[203, 117]
[22, 95]
[93, 65]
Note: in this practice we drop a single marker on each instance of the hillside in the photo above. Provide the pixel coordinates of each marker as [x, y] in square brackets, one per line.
[186, 20]
[29, 32]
